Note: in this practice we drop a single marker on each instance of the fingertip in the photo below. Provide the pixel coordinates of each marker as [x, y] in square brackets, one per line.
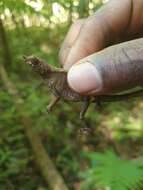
[84, 78]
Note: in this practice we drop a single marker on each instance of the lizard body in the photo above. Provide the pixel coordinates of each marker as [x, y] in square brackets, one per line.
[56, 81]
[59, 87]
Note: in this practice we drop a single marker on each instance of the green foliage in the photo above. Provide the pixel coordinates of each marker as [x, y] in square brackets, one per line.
[109, 170]
[19, 7]
[16, 158]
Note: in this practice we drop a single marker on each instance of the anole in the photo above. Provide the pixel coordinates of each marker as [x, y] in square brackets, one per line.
[56, 81]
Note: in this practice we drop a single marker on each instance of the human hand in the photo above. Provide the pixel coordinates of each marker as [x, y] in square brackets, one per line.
[100, 66]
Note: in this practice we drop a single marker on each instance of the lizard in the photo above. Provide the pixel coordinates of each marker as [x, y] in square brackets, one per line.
[56, 81]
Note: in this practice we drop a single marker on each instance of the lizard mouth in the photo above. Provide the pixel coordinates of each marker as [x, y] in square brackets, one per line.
[30, 63]
[30, 60]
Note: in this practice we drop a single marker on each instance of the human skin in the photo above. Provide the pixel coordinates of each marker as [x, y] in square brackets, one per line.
[103, 53]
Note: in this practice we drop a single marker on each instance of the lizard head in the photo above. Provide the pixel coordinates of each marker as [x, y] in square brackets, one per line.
[38, 65]
[31, 60]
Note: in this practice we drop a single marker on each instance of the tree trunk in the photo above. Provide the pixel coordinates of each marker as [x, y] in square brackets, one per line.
[70, 13]
[83, 8]
[5, 46]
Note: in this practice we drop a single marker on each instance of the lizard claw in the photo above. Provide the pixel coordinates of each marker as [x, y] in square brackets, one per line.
[99, 104]
[49, 109]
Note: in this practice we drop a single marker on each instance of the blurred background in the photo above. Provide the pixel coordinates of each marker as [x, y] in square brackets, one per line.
[39, 151]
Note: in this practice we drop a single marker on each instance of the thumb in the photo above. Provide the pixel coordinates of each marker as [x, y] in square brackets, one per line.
[111, 70]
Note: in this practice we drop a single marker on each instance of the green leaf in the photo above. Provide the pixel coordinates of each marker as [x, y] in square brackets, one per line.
[109, 170]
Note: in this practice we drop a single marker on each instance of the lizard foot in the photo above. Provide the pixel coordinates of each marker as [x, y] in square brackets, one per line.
[85, 131]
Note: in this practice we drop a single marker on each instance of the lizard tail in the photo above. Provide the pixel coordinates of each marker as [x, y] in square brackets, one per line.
[114, 98]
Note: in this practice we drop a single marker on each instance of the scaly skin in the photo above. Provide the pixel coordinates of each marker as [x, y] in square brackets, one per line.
[56, 80]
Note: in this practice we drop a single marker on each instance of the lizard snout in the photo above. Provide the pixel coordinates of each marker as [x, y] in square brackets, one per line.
[31, 60]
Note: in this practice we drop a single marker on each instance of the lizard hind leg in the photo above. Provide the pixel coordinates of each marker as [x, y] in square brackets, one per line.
[84, 108]
[52, 104]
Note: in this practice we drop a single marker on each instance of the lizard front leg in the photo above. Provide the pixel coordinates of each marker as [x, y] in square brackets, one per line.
[53, 103]
[84, 108]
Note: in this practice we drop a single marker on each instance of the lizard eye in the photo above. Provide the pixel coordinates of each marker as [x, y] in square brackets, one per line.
[51, 81]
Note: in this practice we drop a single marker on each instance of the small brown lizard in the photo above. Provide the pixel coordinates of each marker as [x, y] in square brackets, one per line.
[56, 81]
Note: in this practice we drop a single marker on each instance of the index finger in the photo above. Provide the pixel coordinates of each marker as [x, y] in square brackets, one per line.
[70, 40]
[96, 32]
